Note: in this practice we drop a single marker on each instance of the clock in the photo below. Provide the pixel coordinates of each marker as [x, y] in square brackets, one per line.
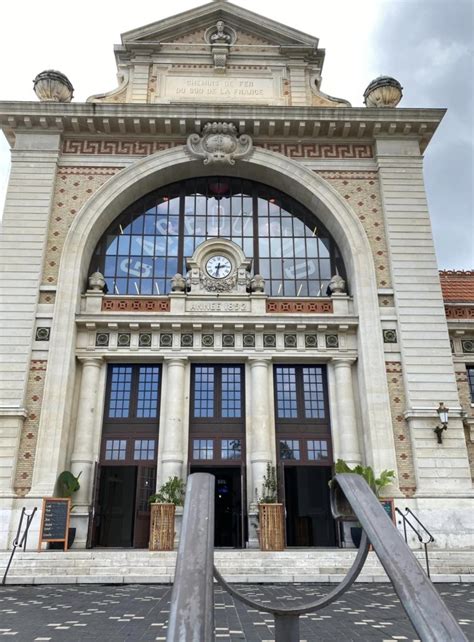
[218, 266]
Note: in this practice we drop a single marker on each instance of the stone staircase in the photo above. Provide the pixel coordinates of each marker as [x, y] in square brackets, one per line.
[141, 566]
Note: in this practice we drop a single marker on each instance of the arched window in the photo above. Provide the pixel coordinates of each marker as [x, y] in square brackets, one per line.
[151, 240]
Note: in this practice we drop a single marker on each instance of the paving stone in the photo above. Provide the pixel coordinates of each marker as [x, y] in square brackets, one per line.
[139, 612]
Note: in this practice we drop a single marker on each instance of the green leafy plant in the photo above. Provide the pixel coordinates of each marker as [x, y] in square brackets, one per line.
[171, 492]
[269, 487]
[67, 484]
[376, 483]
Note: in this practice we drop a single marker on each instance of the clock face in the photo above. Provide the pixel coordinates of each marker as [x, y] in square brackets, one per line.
[218, 266]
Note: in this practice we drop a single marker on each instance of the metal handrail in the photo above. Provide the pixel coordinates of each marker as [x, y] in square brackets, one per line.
[430, 539]
[191, 613]
[17, 542]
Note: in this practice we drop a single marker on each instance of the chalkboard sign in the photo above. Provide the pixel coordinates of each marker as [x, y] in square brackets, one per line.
[389, 508]
[54, 520]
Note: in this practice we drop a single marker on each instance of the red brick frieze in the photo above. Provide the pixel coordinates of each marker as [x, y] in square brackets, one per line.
[320, 150]
[295, 306]
[459, 312]
[116, 147]
[114, 304]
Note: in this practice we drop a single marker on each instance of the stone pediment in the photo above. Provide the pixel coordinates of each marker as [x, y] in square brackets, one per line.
[219, 52]
[190, 27]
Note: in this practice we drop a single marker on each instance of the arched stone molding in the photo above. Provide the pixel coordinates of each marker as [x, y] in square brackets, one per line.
[172, 165]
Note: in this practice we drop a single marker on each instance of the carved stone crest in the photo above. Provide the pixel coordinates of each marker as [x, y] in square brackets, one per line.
[219, 143]
[224, 285]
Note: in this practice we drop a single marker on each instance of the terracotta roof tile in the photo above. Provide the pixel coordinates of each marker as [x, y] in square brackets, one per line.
[457, 285]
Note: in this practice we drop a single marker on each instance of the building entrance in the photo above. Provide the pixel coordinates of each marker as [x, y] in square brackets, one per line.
[229, 513]
[122, 510]
[308, 514]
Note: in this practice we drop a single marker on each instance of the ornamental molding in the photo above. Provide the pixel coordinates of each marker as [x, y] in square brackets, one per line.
[174, 122]
[459, 311]
[224, 285]
[219, 143]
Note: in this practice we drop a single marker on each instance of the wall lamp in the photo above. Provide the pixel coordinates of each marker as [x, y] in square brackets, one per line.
[443, 417]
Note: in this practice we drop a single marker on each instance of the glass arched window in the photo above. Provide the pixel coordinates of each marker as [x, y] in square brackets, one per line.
[151, 240]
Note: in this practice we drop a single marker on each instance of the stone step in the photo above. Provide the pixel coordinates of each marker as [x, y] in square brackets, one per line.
[139, 566]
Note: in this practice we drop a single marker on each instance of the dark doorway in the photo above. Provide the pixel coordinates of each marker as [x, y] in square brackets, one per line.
[228, 505]
[117, 505]
[123, 512]
[308, 514]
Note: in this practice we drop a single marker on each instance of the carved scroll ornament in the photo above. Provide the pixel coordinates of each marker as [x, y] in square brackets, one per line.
[219, 143]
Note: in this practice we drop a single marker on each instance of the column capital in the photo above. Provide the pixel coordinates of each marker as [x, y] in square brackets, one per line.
[339, 362]
[176, 361]
[259, 361]
[96, 361]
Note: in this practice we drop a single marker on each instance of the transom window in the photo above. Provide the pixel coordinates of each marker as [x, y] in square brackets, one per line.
[150, 242]
[304, 451]
[221, 451]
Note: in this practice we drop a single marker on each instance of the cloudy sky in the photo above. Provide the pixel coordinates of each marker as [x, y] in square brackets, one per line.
[426, 44]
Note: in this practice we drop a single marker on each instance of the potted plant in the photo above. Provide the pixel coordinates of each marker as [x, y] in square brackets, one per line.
[376, 484]
[66, 485]
[270, 513]
[163, 507]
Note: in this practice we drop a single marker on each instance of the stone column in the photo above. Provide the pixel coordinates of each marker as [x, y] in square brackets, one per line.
[346, 417]
[172, 442]
[83, 456]
[262, 436]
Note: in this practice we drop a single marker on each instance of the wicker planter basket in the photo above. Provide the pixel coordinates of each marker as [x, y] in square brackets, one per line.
[272, 527]
[162, 527]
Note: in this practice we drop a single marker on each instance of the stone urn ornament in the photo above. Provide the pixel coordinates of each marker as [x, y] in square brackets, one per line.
[52, 86]
[96, 282]
[337, 285]
[384, 91]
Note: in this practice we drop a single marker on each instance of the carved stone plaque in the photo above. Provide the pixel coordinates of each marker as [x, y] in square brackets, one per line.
[217, 306]
[233, 89]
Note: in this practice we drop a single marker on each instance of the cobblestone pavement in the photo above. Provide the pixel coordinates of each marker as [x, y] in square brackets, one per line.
[139, 612]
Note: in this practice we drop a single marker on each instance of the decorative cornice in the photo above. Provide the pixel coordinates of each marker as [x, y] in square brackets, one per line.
[264, 121]
[13, 411]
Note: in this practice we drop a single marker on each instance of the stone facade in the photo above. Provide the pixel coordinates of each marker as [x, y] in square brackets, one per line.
[381, 335]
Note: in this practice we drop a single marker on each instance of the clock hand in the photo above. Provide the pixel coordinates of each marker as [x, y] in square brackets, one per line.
[218, 268]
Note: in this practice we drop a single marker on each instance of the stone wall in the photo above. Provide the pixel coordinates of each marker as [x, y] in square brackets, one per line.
[29, 433]
[74, 185]
[361, 191]
[403, 449]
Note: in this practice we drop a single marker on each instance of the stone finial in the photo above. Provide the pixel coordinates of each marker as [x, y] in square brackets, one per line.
[97, 282]
[178, 283]
[53, 86]
[219, 143]
[257, 284]
[337, 285]
[384, 91]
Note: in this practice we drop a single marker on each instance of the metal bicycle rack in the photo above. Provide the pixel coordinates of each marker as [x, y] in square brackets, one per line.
[192, 600]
